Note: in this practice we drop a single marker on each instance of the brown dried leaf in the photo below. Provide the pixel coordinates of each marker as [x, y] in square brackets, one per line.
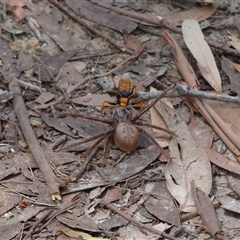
[234, 183]
[16, 8]
[102, 16]
[234, 41]
[93, 100]
[181, 62]
[134, 164]
[162, 205]
[161, 137]
[197, 13]
[206, 209]
[201, 51]
[7, 200]
[229, 203]
[113, 194]
[188, 161]
[83, 222]
[10, 230]
[44, 97]
[204, 138]
[234, 78]
[132, 43]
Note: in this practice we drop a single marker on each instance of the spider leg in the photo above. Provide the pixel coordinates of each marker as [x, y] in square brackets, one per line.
[138, 101]
[153, 140]
[80, 141]
[86, 117]
[106, 149]
[76, 174]
[152, 104]
[103, 105]
[156, 127]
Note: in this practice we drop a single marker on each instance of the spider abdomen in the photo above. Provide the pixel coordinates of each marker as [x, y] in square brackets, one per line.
[126, 137]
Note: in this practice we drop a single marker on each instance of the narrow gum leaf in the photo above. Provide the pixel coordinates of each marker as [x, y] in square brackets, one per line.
[201, 51]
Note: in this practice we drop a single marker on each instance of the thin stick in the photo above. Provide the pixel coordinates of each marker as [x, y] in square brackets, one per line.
[161, 22]
[181, 90]
[139, 224]
[52, 181]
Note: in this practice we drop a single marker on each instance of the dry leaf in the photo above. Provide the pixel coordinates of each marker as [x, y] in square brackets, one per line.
[161, 137]
[194, 40]
[197, 13]
[94, 100]
[188, 161]
[204, 138]
[235, 42]
[15, 7]
[229, 203]
[182, 63]
[206, 210]
[132, 43]
[234, 78]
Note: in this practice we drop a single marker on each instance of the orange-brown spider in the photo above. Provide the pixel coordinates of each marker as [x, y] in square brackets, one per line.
[125, 129]
[124, 92]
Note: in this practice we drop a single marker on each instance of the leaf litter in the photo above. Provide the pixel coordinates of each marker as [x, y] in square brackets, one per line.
[52, 84]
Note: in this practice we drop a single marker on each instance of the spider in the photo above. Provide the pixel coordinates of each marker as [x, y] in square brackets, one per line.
[125, 129]
[124, 92]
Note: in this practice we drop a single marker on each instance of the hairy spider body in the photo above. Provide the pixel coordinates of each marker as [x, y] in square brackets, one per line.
[124, 92]
[125, 129]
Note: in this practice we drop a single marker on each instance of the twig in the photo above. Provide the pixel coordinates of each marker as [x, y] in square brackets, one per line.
[90, 28]
[181, 90]
[34, 226]
[26, 197]
[52, 181]
[58, 212]
[139, 224]
[33, 27]
[30, 86]
[161, 22]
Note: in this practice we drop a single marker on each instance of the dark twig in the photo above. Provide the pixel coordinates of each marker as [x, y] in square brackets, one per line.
[52, 181]
[90, 28]
[181, 90]
[161, 22]
[139, 224]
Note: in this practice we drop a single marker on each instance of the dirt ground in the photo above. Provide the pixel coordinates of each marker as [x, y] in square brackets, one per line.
[83, 153]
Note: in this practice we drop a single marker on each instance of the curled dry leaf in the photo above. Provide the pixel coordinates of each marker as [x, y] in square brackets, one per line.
[201, 51]
[188, 161]
[132, 43]
[15, 7]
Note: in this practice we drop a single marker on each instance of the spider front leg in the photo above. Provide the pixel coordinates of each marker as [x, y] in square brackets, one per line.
[108, 102]
[155, 127]
[153, 140]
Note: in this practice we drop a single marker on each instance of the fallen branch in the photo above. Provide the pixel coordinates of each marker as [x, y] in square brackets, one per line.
[181, 90]
[52, 181]
[139, 224]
